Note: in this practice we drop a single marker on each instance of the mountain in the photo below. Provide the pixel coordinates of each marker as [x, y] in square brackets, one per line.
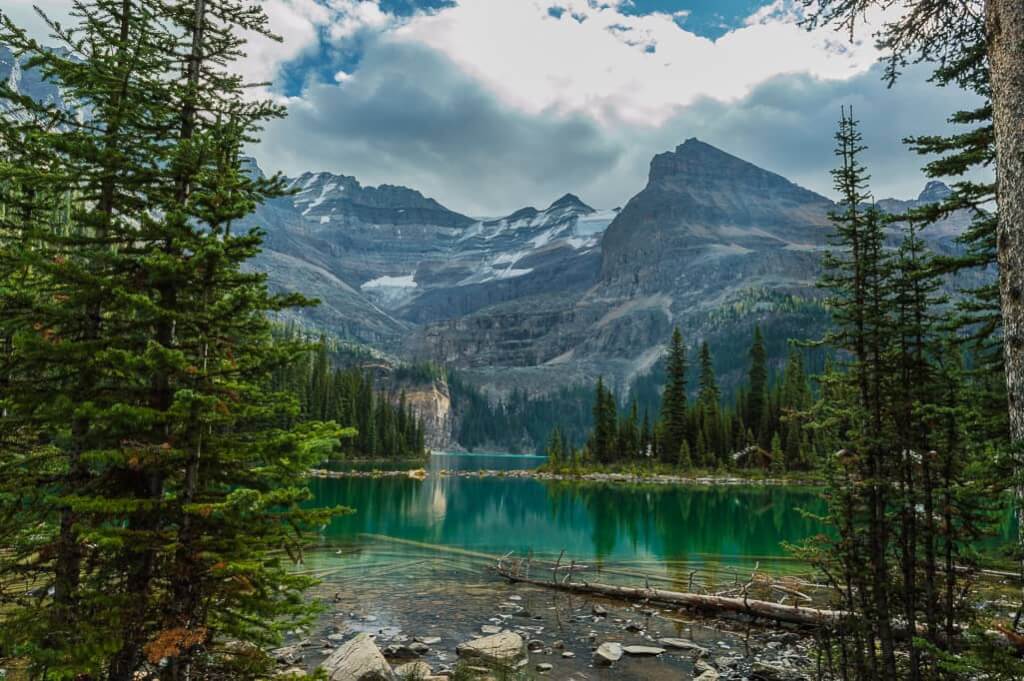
[381, 259]
[712, 243]
[553, 296]
[26, 81]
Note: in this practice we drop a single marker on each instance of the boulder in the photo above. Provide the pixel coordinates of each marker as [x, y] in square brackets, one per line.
[414, 671]
[707, 675]
[608, 654]
[505, 648]
[358, 660]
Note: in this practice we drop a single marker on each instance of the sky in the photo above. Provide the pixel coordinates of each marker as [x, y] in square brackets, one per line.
[492, 105]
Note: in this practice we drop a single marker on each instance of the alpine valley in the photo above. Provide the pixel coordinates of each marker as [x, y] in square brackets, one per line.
[549, 298]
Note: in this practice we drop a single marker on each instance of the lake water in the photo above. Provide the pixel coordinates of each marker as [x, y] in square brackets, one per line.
[658, 525]
[415, 559]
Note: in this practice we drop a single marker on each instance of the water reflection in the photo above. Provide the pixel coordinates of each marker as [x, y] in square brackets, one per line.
[593, 522]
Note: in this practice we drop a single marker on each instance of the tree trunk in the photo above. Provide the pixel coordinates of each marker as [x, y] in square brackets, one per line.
[816, 617]
[1005, 29]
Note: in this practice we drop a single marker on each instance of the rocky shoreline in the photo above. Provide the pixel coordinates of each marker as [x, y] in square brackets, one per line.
[625, 478]
[533, 634]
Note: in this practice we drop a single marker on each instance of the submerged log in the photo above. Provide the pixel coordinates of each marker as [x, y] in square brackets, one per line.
[794, 614]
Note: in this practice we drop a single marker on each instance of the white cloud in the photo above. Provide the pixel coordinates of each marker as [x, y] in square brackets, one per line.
[623, 68]
[298, 23]
[354, 16]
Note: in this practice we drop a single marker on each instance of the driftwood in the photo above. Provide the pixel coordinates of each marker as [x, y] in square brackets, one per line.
[794, 614]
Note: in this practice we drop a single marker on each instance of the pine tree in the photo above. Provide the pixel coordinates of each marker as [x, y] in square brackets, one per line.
[165, 478]
[556, 448]
[685, 460]
[646, 437]
[602, 445]
[673, 401]
[709, 404]
[795, 400]
[757, 402]
[629, 434]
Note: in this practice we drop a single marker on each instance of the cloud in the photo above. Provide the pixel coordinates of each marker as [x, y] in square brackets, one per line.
[616, 67]
[786, 125]
[410, 116]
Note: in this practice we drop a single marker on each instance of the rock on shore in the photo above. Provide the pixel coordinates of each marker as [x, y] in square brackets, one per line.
[358, 660]
[506, 648]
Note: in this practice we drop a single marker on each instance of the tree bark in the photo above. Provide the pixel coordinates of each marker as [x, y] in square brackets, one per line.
[1005, 33]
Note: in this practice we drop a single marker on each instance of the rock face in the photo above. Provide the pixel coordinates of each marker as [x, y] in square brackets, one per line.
[358, 660]
[432, 405]
[26, 82]
[382, 259]
[505, 648]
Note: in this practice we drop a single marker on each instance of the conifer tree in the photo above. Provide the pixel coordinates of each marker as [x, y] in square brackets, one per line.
[602, 445]
[646, 437]
[673, 401]
[757, 402]
[709, 399]
[165, 478]
[685, 459]
[795, 401]
[556, 448]
[857, 279]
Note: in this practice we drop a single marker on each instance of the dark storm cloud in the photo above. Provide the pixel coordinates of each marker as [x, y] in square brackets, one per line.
[411, 117]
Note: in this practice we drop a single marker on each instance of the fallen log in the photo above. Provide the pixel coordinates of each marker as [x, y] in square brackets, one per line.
[794, 614]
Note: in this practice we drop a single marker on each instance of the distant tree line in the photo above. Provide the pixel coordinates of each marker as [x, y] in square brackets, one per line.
[763, 424]
[376, 426]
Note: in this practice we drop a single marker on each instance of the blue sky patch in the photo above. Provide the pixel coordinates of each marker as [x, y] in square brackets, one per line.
[708, 18]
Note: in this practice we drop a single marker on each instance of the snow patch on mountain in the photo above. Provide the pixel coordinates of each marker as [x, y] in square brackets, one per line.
[405, 281]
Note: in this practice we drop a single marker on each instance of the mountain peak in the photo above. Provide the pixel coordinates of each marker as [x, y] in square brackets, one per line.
[934, 192]
[703, 170]
[571, 201]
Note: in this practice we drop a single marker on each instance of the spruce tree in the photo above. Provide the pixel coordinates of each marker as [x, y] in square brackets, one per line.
[162, 477]
[673, 400]
[709, 399]
[757, 402]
